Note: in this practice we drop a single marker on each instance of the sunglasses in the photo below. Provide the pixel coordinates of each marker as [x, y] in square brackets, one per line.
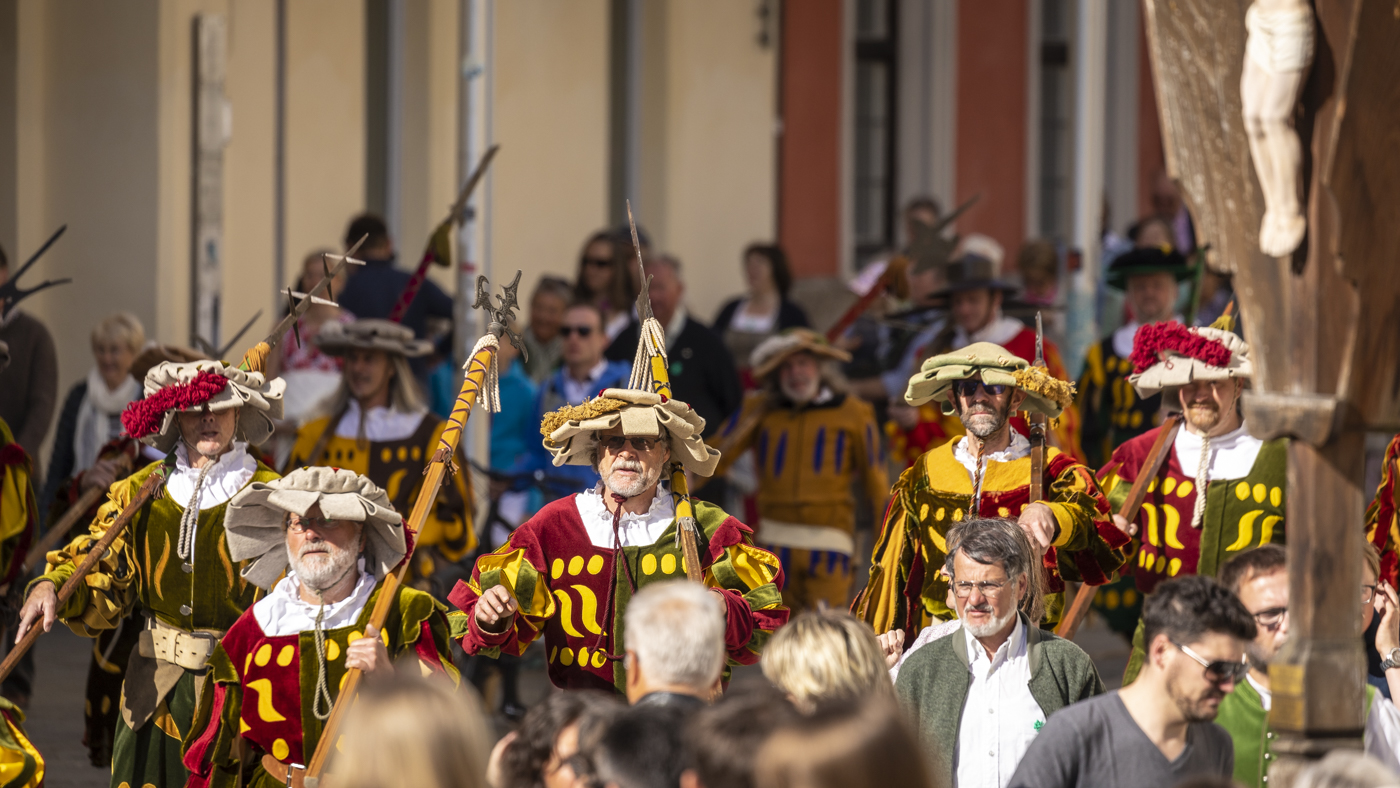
[967, 388]
[568, 331]
[615, 443]
[598, 262]
[1219, 671]
[300, 525]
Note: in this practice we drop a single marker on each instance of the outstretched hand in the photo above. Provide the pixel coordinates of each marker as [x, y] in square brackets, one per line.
[42, 605]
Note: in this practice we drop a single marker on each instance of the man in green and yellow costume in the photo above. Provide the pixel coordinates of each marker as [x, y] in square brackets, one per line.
[378, 424]
[569, 572]
[986, 473]
[173, 561]
[1200, 372]
[277, 673]
[21, 765]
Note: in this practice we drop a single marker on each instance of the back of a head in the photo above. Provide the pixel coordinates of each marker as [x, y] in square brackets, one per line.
[1185, 608]
[367, 224]
[845, 745]
[414, 732]
[1347, 769]
[524, 761]
[641, 748]
[825, 655]
[676, 629]
[724, 739]
[1261, 560]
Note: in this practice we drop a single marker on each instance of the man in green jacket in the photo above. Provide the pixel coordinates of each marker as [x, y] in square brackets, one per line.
[1259, 577]
[989, 688]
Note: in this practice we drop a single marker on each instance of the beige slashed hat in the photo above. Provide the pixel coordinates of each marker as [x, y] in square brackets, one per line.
[568, 432]
[997, 366]
[256, 516]
[1167, 356]
[337, 338]
[191, 387]
[773, 351]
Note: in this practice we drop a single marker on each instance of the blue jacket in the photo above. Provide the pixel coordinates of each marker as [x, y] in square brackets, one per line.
[566, 479]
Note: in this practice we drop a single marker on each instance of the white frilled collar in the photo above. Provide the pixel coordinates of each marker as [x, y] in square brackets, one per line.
[230, 473]
[1018, 448]
[282, 611]
[1232, 455]
[382, 425]
[634, 530]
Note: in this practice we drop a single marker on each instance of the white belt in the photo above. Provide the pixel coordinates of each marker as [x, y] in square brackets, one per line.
[806, 537]
[189, 650]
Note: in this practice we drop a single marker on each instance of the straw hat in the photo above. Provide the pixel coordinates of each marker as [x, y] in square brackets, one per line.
[773, 351]
[256, 515]
[568, 432]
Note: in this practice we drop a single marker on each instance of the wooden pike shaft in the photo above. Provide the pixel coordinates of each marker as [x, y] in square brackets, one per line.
[1069, 623]
[438, 468]
[70, 518]
[95, 553]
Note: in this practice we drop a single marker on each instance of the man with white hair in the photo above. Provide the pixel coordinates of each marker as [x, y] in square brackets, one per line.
[332, 536]
[675, 645]
[1013, 674]
[814, 445]
[172, 561]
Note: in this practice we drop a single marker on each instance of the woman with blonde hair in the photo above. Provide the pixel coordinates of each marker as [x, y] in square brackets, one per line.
[852, 744]
[413, 732]
[823, 656]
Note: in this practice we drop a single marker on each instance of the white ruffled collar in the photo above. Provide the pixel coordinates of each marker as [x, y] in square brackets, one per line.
[284, 612]
[1018, 448]
[230, 473]
[633, 530]
[1232, 455]
[382, 425]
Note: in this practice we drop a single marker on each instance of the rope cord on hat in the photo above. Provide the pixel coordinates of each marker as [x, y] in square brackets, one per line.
[189, 519]
[1202, 480]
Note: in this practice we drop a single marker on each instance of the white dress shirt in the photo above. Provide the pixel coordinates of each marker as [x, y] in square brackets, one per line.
[633, 530]
[576, 391]
[284, 612]
[1382, 736]
[1000, 717]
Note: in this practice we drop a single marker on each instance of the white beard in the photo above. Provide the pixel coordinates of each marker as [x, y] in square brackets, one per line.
[637, 487]
[991, 627]
[320, 571]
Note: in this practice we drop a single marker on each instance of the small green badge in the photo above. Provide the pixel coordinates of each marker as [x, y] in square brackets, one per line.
[1039, 724]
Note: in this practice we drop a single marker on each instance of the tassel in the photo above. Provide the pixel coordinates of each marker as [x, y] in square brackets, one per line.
[650, 344]
[490, 393]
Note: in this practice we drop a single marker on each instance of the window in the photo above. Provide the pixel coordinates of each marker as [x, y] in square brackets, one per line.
[875, 121]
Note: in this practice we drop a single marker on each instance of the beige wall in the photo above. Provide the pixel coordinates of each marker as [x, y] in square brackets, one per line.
[550, 184]
[720, 151]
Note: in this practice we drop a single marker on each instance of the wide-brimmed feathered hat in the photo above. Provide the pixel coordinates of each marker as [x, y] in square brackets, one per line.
[191, 387]
[568, 432]
[773, 351]
[1147, 260]
[997, 366]
[336, 339]
[256, 517]
[1170, 355]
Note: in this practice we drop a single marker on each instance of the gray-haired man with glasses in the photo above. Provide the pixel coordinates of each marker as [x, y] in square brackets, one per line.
[1259, 577]
[1158, 731]
[989, 688]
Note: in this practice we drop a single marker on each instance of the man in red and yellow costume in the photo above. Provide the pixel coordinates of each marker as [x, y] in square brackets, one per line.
[1382, 527]
[986, 473]
[813, 445]
[568, 572]
[332, 536]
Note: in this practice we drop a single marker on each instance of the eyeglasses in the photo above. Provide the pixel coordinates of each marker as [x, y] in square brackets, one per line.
[988, 588]
[300, 525]
[598, 262]
[568, 331]
[1271, 619]
[1220, 671]
[614, 443]
[967, 388]
[1368, 592]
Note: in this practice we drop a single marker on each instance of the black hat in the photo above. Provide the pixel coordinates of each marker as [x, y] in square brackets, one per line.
[972, 272]
[1147, 260]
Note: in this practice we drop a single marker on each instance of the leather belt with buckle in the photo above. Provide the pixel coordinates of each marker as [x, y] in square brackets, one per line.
[291, 775]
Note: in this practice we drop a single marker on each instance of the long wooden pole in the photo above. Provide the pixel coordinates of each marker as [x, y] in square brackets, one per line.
[95, 553]
[70, 518]
[1069, 623]
[438, 467]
